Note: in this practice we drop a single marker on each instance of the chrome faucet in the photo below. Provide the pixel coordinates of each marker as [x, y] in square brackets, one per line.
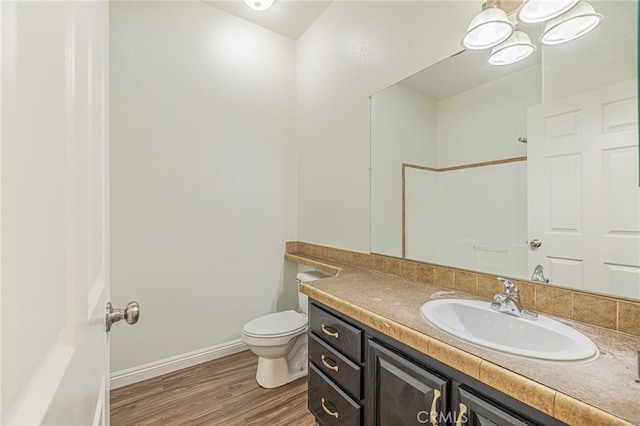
[509, 301]
[538, 275]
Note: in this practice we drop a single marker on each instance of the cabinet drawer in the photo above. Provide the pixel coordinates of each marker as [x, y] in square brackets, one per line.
[336, 332]
[329, 404]
[335, 366]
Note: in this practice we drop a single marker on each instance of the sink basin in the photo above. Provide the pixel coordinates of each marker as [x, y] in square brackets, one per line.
[475, 322]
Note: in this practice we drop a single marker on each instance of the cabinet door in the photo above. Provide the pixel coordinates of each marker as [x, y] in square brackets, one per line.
[475, 411]
[404, 393]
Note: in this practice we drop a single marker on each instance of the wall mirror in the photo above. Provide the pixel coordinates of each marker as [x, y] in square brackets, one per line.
[499, 169]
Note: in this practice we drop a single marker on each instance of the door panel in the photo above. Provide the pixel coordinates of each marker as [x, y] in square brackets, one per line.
[618, 165]
[565, 194]
[54, 212]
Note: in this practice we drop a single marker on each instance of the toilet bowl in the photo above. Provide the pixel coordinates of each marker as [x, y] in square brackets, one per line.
[280, 341]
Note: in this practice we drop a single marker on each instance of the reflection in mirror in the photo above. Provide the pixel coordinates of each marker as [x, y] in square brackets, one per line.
[472, 163]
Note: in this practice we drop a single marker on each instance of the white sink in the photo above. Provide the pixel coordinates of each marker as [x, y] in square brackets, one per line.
[475, 322]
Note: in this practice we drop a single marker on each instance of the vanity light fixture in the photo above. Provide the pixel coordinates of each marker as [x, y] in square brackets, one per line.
[573, 24]
[259, 4]
[516, 48]
[495, 26]
[488, 28]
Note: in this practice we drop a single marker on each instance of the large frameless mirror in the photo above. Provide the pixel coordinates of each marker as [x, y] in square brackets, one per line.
[499, 169]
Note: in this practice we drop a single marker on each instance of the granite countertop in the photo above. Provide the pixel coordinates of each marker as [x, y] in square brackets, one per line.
[600, 391]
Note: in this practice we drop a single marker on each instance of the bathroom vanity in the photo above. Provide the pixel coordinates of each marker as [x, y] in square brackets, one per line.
[358, 376]
[388, 365]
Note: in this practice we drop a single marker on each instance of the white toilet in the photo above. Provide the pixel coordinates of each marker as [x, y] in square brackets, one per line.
[280, 341]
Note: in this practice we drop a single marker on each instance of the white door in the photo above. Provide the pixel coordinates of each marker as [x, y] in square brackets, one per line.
[584, 200]
[54, 212]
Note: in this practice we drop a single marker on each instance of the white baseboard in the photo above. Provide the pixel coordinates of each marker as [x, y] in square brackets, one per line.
[175, 363]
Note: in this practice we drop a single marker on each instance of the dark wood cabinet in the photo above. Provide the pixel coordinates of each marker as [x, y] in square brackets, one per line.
[359, 376]
[336, 388]
[329, 404]
[404, 393]
[473, 410]
[342, 371]
[336, 332]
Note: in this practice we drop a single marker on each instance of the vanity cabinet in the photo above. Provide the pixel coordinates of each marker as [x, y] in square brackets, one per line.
[405, 392]
[336, 387]
[369, 378]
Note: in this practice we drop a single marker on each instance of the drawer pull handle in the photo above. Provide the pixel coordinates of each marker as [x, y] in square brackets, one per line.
[329, 412]
[434, 404]
[333, 367]
[462, 416]
[326, 330]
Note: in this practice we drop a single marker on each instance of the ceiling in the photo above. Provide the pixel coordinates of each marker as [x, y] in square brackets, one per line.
[290, 18]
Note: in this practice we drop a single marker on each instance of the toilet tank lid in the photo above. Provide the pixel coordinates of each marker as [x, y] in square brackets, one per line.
[307, 276]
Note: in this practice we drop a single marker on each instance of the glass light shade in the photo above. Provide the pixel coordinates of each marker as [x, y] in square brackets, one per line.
[535, 11]
[489, 28]
[516, 48]
[259, 4]
[573, 24]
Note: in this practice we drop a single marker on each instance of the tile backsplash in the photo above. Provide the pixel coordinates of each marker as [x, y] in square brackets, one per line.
[612, 313]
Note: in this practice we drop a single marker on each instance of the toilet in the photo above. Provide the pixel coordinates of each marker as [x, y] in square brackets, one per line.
[280, 341]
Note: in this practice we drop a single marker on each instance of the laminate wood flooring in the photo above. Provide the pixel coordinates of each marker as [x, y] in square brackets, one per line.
[222, 392]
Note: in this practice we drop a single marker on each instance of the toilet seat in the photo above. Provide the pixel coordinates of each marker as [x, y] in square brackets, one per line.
[279, 324]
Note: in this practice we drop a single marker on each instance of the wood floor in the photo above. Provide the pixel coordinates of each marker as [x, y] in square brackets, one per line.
[220, 392]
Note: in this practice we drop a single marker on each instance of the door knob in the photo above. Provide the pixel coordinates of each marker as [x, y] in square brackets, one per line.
[535, 243]
[131, 314]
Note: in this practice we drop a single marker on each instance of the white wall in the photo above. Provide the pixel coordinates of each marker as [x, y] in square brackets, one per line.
[422, 218]
[484, 123]
[203, 175]
[472, 218]
[352, 51]
[469, 218]
[204, 187]
[403, 130]
[492, 238]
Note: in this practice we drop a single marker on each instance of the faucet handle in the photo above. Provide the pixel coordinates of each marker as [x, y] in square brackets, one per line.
[510, 288]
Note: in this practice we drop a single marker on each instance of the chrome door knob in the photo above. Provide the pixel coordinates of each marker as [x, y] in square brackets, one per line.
[131, 314]
[535, 243]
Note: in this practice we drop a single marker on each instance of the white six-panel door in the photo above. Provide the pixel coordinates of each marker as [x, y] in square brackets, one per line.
[54, 212]
[584, 200]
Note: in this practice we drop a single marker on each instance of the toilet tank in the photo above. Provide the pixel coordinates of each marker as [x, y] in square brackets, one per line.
[305, 277]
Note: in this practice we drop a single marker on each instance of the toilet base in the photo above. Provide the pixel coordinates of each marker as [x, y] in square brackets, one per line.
[276, 372]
